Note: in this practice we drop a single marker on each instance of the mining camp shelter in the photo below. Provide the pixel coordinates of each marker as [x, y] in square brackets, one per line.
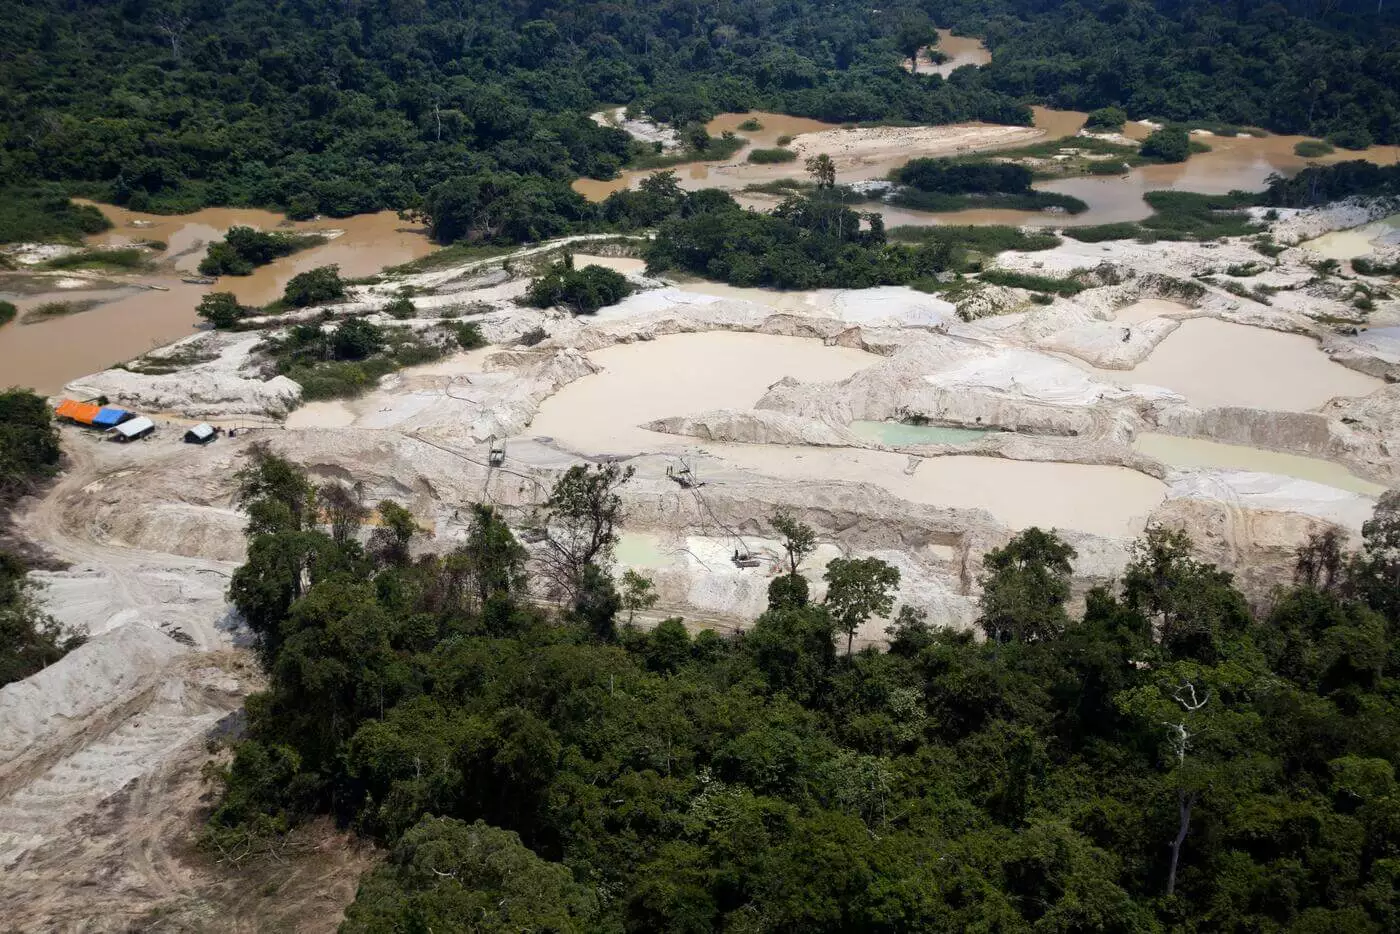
[109, 416]
[200, 434]
[134, 428]
[83, 413]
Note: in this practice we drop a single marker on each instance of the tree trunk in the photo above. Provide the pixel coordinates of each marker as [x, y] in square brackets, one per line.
[1184, 802]
[850, 637]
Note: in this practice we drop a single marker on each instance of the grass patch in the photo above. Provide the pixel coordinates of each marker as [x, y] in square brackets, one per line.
[1033, 283]
[454, 255]
[467, 334]
[1260, 295]
[1313, 148]
[771, 156]
[717, 150]
[326, 369]
[174, 362]
[7, 313]
[1187, 215]
[125, 258]
[1012, 201]
[50, 310]
[1049, 148]
[989, 239]
[1361, 266]
[1181, 215]
[1098, 233]
[781, 186]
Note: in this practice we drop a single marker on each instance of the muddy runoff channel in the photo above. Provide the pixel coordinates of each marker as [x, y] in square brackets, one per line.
[131, 315]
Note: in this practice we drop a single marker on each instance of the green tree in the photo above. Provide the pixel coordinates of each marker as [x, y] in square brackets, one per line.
[1205, 727]
[1189, 604]
[221, 310]
[1025, 588]
[356, 339]
[447, 875]
[789, 591]
[638, 593]
[580, 523]
[268, 477]
[799, 540]
[30, 640]
[857, 589]
[1106, 118]
[29, 449]
[392, 539]
[582, 291]
[495, 558]
[1376, 571]
[823, 170]
[314, 287]
[1169, 144]
[913, 33]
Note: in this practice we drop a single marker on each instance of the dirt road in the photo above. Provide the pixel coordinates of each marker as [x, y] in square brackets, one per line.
[101, 793]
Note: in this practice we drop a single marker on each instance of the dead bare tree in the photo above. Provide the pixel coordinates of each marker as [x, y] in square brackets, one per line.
[1180, 738]
[174, 29]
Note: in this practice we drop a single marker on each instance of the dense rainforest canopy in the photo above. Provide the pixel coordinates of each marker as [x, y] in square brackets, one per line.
[335, 107]
[1166, 760]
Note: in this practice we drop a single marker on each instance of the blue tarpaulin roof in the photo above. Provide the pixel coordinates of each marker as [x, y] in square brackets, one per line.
[110, 416]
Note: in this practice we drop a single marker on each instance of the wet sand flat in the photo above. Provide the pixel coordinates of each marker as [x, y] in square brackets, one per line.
[622, 264]
[1146, 309]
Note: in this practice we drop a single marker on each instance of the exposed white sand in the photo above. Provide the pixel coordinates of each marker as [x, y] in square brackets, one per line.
[681, 374]
[1215, 363]
[1196, 453]
[622, 264]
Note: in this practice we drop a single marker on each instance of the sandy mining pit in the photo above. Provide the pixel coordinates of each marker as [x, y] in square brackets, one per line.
[901, 425]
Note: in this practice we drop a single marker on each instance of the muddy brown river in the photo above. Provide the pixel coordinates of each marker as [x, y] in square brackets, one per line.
[148, 311]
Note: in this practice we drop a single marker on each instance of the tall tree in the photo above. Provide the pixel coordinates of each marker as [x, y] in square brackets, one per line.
[1025, 587]
[858, 589]
[823, 170]
[580, 523]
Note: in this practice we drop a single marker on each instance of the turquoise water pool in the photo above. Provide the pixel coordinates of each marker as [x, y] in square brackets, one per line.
[897, 435]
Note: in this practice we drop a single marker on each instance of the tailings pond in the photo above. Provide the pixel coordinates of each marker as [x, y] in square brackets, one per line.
[688, 374]
[1217, 363]
[1212, 455]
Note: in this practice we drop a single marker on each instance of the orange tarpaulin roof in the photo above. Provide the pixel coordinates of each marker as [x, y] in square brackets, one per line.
[78, 411]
